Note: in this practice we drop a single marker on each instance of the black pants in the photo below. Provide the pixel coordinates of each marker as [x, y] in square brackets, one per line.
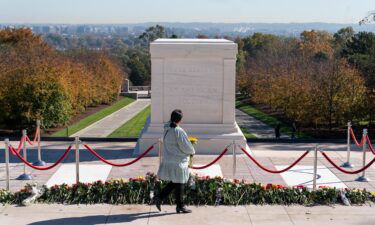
[179, 193]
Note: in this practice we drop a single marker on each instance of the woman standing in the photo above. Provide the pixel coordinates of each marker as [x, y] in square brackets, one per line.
[174, 165]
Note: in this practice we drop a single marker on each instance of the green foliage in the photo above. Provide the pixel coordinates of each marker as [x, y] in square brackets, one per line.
[360, 51]
[133, 127]
[152, 33]
[138, 72]
[259, 42]
[87, 121]
[342, 36]
[247, 133]
[208, 191]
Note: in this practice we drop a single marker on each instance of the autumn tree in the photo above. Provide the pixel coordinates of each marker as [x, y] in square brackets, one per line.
[40, 83]
[303, 80]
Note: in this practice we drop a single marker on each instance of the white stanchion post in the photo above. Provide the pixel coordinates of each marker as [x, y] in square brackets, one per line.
[40, 162]
[363, 177]
[7, 185]
[234, 158]
[315, 167]
[24, 176]
[347, 164]
[77, 158]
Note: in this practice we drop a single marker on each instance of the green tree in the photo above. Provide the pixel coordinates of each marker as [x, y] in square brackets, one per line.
[151, 34]
[342, 36]
[360, 51]
[138, 73]
[259, 42]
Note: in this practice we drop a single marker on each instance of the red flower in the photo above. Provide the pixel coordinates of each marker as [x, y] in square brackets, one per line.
[236, 181]
[269, 186]
[300, 186]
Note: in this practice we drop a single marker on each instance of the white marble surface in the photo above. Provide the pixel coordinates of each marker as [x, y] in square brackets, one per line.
[303, 175]
[212, 171]
[198, 77]
[66, 174]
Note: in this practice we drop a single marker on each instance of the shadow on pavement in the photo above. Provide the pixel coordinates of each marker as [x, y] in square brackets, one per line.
[101, 219]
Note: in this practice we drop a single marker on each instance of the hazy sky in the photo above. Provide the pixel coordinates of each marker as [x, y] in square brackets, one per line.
[134, 11]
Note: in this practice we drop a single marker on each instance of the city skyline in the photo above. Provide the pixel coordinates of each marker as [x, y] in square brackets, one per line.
[220, 11]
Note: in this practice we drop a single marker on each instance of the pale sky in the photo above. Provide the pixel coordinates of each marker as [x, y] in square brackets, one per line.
[228, 11]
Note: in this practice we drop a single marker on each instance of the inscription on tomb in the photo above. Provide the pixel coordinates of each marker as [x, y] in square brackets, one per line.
[194, 84]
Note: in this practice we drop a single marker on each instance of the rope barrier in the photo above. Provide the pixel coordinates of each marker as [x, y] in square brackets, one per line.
[211, 163]
[355, 139]
[35, 138]
[19, 146]
[346, 171]
[114, 164]
[370, 145]
[275, 171]
[41, 168]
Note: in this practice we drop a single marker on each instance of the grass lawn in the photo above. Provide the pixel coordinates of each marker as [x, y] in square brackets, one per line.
[93, 118]
[247, 133]
[133, 127]
[267, 119]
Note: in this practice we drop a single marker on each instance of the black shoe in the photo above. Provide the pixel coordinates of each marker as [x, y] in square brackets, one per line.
[183, 210]
[157, 203]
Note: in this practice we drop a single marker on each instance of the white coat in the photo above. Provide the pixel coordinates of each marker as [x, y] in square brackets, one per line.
[176, 152]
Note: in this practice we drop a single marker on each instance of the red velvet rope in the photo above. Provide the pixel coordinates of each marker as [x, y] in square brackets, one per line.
[355, 139]
[346, 171]
[275, 171]
[114, 164]
[19, 147]
[41, 168]
[370, 145]
[211, 163]
[35, 137]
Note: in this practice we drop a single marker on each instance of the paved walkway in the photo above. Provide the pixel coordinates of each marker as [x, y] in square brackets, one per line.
[254, 126]
[55, 214]
[107, 125]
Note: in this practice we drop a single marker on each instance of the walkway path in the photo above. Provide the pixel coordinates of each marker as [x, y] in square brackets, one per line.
[254, 126]
[45, 214]
[107, 125]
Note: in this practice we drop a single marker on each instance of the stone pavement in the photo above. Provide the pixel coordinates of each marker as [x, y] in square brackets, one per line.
[254, 126]
[56, 214]
[268, 154]
[110, 123]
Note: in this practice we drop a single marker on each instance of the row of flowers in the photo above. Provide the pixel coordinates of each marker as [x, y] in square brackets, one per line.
[204, 191]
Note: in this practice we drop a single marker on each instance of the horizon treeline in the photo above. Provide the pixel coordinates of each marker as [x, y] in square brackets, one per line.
[39, 82]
